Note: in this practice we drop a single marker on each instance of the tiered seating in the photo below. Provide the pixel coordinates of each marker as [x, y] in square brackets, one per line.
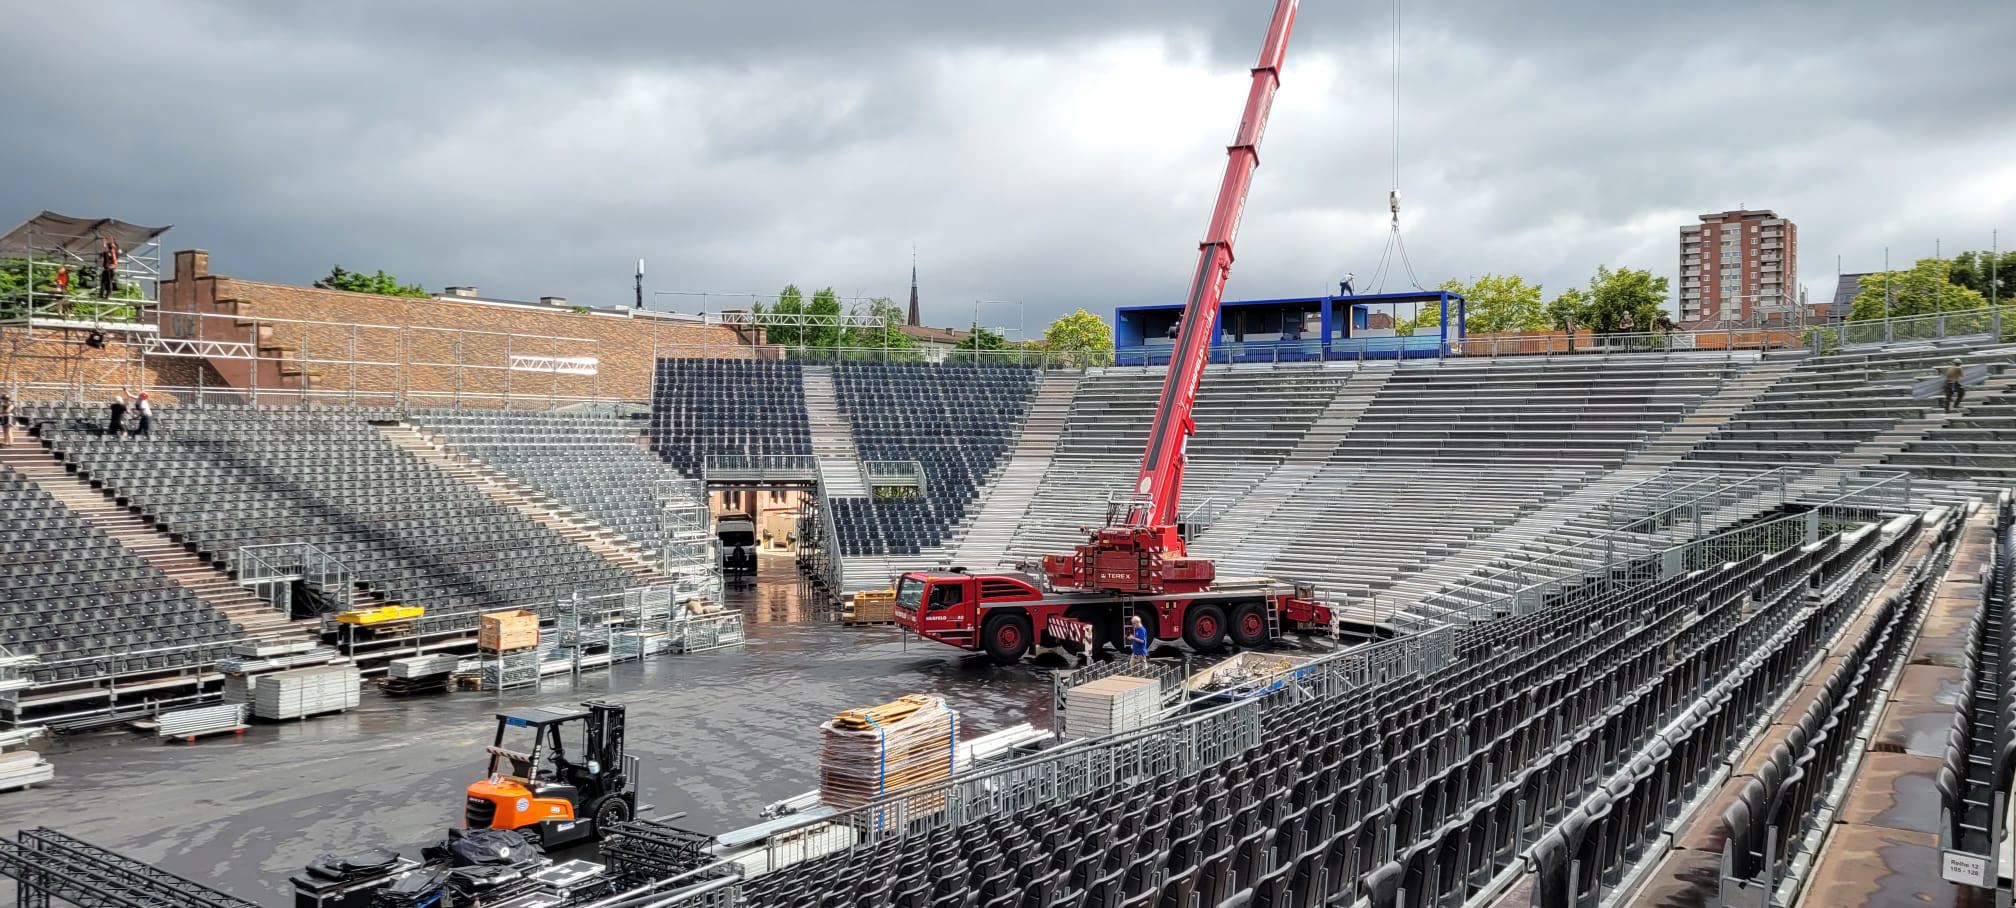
[1980, 752]
[1579, 412]
[1977, 446]
[1831, 404]
[590, 462]
[86, 605]
[222, 477]
[708, 407]
[956, 421]
[1248, 419]
[1412, 791]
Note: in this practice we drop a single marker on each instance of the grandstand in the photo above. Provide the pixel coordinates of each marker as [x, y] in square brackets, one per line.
[1629, 593]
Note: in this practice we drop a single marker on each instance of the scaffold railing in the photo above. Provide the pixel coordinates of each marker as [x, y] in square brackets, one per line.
[272, 569]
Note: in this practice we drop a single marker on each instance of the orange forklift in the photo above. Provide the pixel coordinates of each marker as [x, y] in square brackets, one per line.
[571, 780]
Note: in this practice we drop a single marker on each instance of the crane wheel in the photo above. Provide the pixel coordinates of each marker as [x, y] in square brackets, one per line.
[1249, 625]
[1006, 638]
[608, 813]
[1204, 628]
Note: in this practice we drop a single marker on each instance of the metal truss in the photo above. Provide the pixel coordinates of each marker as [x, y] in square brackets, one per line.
[47, 865]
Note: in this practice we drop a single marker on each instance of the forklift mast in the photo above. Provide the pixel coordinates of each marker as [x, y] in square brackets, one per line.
[605, 737]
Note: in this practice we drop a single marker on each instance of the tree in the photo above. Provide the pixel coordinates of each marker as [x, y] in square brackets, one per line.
[789, 302]
[379, 283]
[1427, 319]
[1080, 334]
[1973, 271]
[822, 323]
[1925, 289]
[1496, 303]
[983, 339]
[887, 333]
[83, 297]
[1627, 299]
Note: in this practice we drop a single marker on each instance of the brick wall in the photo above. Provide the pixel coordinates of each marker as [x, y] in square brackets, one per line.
[430, 350]
[55, 364]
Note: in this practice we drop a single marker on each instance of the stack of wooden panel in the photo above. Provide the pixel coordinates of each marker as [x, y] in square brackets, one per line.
[305, 692]
[1111, 705]
[869, 752]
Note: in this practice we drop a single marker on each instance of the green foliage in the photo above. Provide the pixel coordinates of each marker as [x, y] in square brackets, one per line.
[1925, 289]
[1627, 299]
[1080, 334]
[1972, 270]
[789, 302]
[1495, 303]
[1568, 311]
[983, 339]
[823, 322]
[889, 335]
[81, 303]
[1428, 319]
[379, 283]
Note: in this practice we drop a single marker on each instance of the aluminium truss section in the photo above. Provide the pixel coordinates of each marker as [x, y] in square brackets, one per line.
[49, 866]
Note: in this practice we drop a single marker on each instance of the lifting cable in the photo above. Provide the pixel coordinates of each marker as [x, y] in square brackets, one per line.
[1393, 239]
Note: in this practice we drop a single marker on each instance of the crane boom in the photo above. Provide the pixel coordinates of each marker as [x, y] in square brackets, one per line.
[1142, 551]
[1159, 487]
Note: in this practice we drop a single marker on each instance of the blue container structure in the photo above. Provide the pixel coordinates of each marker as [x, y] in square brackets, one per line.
[1303, 329]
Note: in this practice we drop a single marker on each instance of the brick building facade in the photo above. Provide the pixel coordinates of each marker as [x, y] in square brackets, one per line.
[1739, 268]
[378, 349]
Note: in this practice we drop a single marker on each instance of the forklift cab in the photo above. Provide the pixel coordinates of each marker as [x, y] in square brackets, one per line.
[556, 774]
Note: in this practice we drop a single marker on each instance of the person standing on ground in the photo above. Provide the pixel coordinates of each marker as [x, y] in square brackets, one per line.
[1954, 390]
[118, 426]
[7, 415]
[108, 268]
[146, 412]
[1137, 641]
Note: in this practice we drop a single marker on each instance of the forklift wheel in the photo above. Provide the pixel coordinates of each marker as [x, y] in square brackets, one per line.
[609, 812]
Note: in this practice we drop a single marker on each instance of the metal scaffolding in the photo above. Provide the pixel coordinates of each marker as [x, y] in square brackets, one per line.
[691, 562]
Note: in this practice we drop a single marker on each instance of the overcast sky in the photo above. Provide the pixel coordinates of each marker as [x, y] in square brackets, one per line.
[1057, 153]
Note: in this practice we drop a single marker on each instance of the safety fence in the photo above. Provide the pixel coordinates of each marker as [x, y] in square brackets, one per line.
[1985, 324]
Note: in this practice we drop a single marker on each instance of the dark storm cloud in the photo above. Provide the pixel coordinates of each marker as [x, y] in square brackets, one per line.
[1055, 153]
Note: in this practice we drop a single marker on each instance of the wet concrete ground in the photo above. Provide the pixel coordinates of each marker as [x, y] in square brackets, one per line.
[720, 735]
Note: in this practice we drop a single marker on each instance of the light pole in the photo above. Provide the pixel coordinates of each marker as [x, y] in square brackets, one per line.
[974, 334]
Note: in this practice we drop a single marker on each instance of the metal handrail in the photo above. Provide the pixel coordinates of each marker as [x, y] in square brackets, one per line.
[1845, 502]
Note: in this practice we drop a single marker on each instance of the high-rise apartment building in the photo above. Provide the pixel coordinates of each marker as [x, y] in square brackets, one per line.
[1739, 268]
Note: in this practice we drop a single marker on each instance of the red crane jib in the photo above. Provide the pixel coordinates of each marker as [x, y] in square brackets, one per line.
[1145, 554]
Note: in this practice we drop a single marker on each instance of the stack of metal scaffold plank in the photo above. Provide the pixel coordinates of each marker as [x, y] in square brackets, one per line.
[190, 724]
[867, 753]
[1111, 705]
[420, 674]
[305, 692]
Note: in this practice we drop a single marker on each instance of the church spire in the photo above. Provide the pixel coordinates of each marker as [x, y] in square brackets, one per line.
[916, 317]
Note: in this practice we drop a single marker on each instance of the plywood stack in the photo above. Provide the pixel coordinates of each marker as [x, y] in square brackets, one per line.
[508, 631]
[1111, 705]
[867, 753]
[305, 692]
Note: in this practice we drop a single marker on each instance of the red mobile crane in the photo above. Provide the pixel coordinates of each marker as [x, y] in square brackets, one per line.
[1138, 564]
